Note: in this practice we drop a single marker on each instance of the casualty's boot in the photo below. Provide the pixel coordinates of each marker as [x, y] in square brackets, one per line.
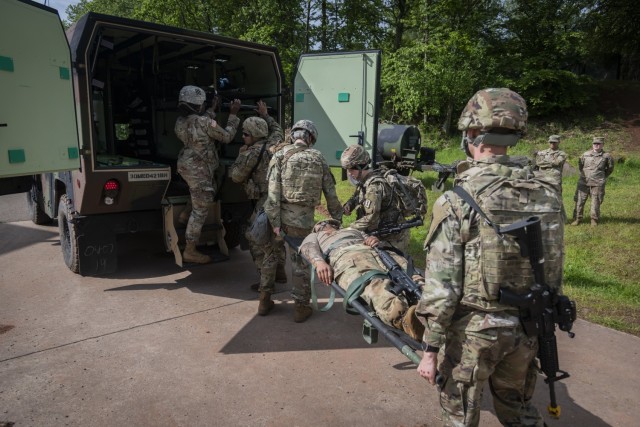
[302, 312]
[191, 254]
[594, 222]
[411, 325]
[266, 304]
[281, 274]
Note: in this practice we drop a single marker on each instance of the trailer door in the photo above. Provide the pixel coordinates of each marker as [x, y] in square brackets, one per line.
[38, 131]
[339, 93]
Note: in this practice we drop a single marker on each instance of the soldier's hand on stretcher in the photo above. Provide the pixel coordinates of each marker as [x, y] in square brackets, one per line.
[324, 271]
[372, 241]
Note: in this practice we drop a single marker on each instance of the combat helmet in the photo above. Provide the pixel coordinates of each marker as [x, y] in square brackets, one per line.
[499, 113]
[256, 127]
[354, 157]
[307, 125]
[192, 95]
[555, 139]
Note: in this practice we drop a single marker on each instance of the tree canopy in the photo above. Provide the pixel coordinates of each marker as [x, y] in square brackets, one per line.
[436, 53]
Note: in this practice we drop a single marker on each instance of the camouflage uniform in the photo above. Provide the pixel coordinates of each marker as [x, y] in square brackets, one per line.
[377, 205]
[298, 175]
[256, 188]
[595, 168]
[350, 260]
[551, 162]
[198, 161]
[483, 340]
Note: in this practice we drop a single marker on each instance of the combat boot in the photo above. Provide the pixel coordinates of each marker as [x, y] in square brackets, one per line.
[594, 222]
[576, 222]
[191, 254]
[411, 325]
[281, 274]
[266, 304]
[302, 312]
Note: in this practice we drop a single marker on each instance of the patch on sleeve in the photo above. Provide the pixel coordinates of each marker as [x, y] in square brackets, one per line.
[367, 203]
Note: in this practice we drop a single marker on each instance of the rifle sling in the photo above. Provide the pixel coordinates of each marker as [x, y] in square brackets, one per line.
[356, 288]
[471, 202]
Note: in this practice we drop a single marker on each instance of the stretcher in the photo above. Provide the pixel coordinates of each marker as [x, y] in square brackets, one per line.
[372, 325]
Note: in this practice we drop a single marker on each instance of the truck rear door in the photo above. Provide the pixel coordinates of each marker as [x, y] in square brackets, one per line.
[339, 93]
[38, 130]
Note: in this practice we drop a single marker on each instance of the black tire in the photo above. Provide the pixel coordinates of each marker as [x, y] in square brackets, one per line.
[35, 203]
[68, 235]
[233, 234]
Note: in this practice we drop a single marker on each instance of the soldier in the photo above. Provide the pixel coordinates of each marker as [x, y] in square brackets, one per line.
[198, 159]
[552, 160]
[595, 167]
[352, 260]
[260, 136]
[298, 175]
[467, 263]
[376, 203]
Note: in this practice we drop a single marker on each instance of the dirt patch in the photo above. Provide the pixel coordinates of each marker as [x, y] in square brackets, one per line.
[620, 102]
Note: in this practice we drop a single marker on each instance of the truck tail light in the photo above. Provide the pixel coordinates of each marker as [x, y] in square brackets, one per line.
[110, 191]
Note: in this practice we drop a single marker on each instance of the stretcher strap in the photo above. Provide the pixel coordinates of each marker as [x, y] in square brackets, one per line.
[314, 295]
[356, 288]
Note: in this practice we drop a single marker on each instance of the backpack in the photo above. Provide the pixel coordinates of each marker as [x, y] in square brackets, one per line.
[506, 199]
[411, 194]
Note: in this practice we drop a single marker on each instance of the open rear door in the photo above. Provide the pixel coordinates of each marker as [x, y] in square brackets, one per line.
[339, 93]
[38, 131]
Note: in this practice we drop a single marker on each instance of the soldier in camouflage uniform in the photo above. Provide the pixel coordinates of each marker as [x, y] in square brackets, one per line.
[298, 175]
[376, 203]
[260, 136]
[552, 160]
[198, 159]
[350, 259]
[595, 167]
[478, 338]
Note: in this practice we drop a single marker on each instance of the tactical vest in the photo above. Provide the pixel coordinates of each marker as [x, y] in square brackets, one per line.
[507, 195]
[301, 171]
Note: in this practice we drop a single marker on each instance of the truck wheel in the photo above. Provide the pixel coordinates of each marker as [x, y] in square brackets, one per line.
[34, 203]
[233, 233]
[68, 235]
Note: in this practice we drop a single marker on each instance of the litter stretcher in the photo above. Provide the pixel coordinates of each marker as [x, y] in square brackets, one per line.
[372, 325]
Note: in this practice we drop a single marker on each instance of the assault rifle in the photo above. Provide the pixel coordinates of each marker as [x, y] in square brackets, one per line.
[401, 282]
[542, 308]
[444, 171]
[385, 229]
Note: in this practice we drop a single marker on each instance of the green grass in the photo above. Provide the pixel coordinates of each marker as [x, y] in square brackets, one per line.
[601, 271]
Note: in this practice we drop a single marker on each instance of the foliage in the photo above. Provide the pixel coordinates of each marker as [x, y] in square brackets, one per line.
[555, 91]
[436, 53]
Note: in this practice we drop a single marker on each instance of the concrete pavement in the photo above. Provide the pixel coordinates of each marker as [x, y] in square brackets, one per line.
[155, 345]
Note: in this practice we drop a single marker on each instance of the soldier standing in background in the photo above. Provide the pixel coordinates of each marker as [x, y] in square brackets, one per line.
[595, 167]
[260, 136]
[481, 339]
[298, 175]
[552, 160]
[198, 159]
[376, 203]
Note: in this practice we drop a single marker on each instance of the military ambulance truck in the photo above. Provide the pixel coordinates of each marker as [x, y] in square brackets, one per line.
[87, 119]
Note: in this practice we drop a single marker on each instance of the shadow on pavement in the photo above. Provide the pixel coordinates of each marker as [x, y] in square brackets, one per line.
[571, 413]
[16, 236]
